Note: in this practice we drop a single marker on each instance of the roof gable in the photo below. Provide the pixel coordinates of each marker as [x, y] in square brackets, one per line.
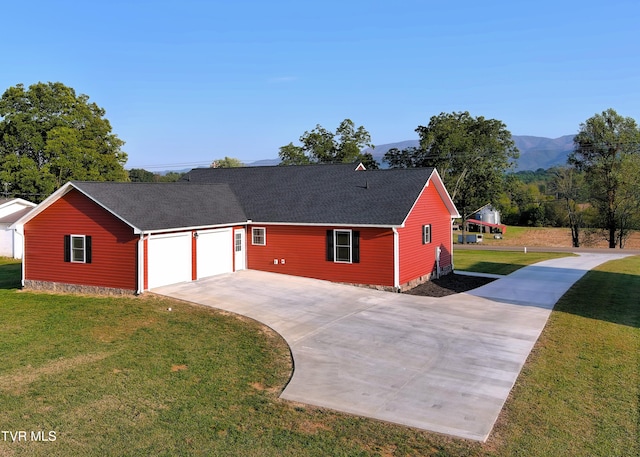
[166, 206]
[148, 207]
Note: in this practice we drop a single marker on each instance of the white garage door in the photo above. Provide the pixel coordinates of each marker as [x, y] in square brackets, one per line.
[169, 259]
[214, 252]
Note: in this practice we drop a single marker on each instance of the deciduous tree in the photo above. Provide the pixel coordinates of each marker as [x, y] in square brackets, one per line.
[141, 175]
[50, 135]
[323, 146]
[568, 185]
[606, 149]
[471, 154]
[170, 176]
[227, 162]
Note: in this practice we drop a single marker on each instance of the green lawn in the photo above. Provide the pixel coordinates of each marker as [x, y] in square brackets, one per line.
[9, 273]
[125, 376]
[579, 392]
[499, 262]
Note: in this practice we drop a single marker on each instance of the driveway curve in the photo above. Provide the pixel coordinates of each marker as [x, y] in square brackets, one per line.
[441, 364]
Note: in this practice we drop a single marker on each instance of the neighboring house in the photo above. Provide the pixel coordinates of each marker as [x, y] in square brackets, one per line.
[389, 229]
[11, 210]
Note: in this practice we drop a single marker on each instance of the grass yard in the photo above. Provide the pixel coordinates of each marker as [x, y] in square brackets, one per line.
[579, 393]
[499, 262]
[125, 376]
[10, 272]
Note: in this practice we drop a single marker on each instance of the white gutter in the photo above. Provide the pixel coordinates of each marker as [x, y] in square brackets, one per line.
[138, 231]
[325, 224]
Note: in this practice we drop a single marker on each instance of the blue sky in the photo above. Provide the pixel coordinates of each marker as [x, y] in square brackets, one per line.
[184, 83]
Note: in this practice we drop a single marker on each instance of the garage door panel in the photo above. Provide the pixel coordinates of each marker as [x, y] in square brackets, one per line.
[214, 253]
[169, 260]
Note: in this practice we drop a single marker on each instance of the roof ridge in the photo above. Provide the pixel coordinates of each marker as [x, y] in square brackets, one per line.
[154, 183]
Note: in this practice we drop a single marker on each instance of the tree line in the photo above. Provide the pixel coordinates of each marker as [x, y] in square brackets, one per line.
[595, 194]
[50, 135]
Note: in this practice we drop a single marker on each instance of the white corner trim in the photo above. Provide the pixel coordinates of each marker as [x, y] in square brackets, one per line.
[141, 265]
[396, 258]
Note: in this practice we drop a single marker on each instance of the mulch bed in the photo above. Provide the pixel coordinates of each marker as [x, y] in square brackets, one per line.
[448, 285]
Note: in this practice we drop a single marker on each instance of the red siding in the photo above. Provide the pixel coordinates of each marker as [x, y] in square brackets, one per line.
[417, 259]
[114, 250]
[303, 249]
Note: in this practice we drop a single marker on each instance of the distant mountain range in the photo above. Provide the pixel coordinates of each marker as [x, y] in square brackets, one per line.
[535, 152]
[538, 152]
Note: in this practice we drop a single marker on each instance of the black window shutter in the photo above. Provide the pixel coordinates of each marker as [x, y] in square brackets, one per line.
[355, 247]
[330, 245]
[67, 248]
[87, 249]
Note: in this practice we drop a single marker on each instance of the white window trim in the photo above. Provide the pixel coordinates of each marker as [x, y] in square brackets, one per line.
[84, 249]
[424, 233]
[264, 236]
[335, 246]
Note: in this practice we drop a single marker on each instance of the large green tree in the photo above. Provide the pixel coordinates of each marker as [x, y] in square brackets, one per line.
[323, 146]
[607, 149]
[471, 154]
[49, 135]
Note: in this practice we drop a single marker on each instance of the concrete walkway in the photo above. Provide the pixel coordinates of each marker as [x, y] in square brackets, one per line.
[441, 364]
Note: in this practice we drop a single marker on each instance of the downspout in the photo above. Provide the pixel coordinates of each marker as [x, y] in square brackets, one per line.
[451, 243]
[140, 281]
[396, 259]
[24, 254]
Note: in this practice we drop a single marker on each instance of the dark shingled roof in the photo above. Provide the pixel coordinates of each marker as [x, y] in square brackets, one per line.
[158, 206]
[318, 194]
[321, 194]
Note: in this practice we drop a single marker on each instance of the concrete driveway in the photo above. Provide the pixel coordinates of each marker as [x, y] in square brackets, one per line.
[441, 364]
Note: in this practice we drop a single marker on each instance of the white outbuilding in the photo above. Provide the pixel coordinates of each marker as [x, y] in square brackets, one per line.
[12, 209]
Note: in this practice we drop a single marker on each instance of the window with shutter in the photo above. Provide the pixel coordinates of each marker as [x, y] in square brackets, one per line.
[77, 248]
[343, 246]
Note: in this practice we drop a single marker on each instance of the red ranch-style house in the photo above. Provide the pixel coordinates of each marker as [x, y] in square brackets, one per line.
[389, 229]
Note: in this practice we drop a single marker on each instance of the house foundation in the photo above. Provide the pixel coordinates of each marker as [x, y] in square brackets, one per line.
[74, 288]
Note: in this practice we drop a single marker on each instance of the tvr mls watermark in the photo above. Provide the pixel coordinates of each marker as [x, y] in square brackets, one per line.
[17, 436]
